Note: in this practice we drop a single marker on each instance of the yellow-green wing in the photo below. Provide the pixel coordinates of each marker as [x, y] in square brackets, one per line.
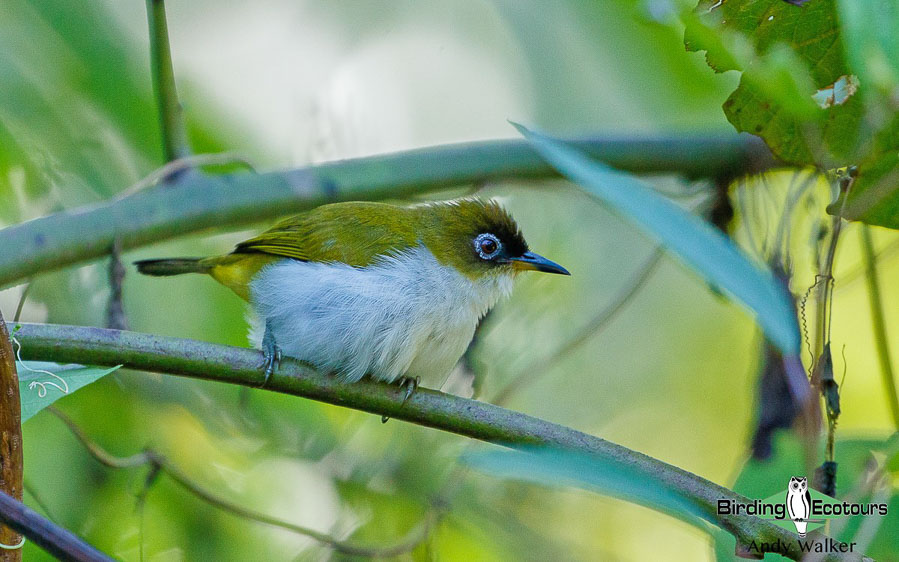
[355, 233]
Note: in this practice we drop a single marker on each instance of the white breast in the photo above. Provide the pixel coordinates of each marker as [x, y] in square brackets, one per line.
[404, 315]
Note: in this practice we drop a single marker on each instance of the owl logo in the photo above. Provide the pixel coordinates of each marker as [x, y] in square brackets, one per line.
[799, 503]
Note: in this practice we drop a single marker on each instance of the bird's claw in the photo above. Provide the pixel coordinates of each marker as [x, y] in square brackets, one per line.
[271, 354]
[272, 360]
[411, 385]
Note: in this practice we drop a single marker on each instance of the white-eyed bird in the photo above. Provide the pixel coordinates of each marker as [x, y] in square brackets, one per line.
[358, 288]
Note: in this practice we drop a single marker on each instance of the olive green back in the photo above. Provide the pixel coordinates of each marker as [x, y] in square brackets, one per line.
[354, 233]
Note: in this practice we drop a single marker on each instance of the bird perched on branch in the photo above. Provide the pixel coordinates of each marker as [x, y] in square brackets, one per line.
[370, 288]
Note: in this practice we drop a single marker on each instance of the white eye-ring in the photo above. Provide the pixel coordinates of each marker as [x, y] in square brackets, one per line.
[487, 245]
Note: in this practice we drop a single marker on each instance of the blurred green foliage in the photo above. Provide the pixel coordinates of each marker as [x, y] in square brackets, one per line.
[286, 83]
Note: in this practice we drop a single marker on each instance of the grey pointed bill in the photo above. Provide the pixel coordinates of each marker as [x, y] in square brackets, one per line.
[534, 262]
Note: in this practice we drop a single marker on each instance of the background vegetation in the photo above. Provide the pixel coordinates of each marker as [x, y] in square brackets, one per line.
[673, 372]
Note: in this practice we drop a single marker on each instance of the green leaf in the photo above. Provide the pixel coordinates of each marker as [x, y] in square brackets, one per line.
[874, 197]
[41, 384]
[555, 467]
[797, 53]
[697, 243]
[819, 85]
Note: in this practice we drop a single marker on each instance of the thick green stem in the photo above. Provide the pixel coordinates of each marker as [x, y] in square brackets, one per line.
[878, 323]
[202, 202]
[429, 408]
[174, 135]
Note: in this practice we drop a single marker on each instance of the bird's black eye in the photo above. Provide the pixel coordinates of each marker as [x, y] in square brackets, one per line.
[487, 245]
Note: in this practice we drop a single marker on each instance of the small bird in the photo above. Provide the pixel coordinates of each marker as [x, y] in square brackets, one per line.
[356, 288]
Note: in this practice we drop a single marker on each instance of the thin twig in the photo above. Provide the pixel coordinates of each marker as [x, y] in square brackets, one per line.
[115, 307]
[170, 169]
[160, 463]
[21, 306]
[603, 318]
[478, 420]
[850, 277]
[824, 319]
[174, 134]
[39, 500]
[823, 293]
[879, 324]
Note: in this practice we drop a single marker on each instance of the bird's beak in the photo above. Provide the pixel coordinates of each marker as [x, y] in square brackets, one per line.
[533, 262]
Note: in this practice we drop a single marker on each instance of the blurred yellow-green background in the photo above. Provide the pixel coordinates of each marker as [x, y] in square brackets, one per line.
[288, 83]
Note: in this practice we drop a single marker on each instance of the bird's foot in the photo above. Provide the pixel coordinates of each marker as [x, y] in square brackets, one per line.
[411, 385]
[272, 360]
[271, 354]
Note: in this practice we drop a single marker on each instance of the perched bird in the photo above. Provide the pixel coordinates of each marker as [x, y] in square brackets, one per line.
[370, 288]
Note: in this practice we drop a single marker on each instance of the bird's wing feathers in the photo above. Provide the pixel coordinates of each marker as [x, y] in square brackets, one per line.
[351, 233]
[289, 238]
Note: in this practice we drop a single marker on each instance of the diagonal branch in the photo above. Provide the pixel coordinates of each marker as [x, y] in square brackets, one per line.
[201, 202]
[56, 540]
[469, 418]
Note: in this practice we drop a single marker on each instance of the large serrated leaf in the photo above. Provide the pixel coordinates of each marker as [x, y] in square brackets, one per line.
[41, 384]
[797, 52]
[819, 85]
[697, 243]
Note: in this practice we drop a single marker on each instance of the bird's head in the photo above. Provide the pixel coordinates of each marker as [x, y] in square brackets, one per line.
[479, 238]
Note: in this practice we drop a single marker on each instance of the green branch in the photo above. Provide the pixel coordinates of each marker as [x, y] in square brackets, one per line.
[477, 420]
[201, 202]
[174, 135]
[878, 323]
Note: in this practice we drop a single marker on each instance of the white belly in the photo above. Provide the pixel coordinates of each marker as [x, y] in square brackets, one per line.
[404, 315]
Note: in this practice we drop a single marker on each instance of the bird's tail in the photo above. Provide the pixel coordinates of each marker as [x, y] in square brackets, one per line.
[173, 266]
